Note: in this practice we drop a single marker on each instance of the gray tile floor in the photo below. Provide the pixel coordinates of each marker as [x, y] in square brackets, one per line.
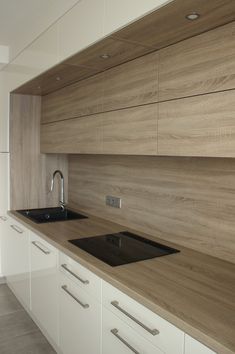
[18, 333]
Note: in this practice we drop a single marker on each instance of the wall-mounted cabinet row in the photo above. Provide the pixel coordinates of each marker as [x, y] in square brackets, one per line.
[199, 65]
[194, 126]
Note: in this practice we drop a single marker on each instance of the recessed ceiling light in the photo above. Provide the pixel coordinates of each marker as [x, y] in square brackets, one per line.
[39, 87]
[58, 78]
[105, 56]
[192, 16]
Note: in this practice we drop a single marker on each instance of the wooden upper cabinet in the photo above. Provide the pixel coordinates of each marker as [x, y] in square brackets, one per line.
[131, 131]
[198, 126]
[80, 99]
[202, 64]
[73, 136]
[131, 84]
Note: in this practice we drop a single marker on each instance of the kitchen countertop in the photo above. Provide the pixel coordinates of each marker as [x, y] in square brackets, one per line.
[193, 291]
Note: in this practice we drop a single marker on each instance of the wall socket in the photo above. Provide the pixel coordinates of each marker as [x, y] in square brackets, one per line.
[114, 202]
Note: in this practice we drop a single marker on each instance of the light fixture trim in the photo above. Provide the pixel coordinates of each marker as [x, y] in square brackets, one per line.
[105, 56]
[192, 16]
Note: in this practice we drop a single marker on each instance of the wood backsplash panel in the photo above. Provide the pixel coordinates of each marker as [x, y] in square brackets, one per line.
[205, 63]
[190, 201]
[30, 171]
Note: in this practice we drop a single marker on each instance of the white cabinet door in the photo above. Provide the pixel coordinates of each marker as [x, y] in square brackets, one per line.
[121, 13]
[80, 27]
[15, 259]
[192, 346]
[44, 286]
[119, 338]
[80, 320]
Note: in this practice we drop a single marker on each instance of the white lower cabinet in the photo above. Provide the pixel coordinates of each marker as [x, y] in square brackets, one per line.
[119, 338]
[44, 286]
[192, 346]
[80, 319]
[15, 259]
[145, 322]
[77, 311]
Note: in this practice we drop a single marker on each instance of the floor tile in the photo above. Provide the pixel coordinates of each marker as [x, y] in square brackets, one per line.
[16, 324]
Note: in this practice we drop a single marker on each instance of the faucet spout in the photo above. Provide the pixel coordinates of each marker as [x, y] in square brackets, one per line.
[62, 197]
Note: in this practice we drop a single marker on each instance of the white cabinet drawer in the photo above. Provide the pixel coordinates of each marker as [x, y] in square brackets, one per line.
[44, 285]
[85, 279]
[192, 346]
[80, 319]
[119, 338]
[152, 327]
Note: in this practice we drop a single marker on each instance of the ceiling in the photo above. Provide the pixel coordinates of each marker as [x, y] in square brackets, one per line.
[21, 21]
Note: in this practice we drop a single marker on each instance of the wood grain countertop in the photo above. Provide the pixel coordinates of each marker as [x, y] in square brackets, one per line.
[193, 291]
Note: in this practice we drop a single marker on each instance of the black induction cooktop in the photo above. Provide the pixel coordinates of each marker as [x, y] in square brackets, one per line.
[122, 248]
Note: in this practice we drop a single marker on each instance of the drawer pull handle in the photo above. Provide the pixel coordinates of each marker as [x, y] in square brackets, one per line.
[64, 266]
[17, 229]
[114, 331]
[3, 218]
[154, 331]
[65, 288]
[40, 248]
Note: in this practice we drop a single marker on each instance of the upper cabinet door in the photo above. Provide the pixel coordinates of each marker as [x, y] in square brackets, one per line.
[80, 27]
[198, 65]
[121, 13]
[198, 126]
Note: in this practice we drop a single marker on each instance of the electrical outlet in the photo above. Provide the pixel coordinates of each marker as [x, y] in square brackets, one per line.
[114, 202]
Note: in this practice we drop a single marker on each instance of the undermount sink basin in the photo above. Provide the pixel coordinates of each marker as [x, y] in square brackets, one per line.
[46, 215]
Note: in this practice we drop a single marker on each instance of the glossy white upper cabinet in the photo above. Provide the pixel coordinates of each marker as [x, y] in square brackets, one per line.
[80, 27]
[44, 286]
[192, 346]
[120, 13]
[41, 55]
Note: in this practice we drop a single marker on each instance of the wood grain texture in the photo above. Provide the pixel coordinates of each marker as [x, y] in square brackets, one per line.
[189, 200]
[119, 52]
[131, 84]
[131, 131]
[79, 135]
[193, 291]
[168, 24]
[54, 79]
[30, 172]
[80, 99]
[202, 64]
[198, 126]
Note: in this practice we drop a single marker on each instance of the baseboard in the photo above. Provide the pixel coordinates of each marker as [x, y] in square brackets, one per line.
[2, 280]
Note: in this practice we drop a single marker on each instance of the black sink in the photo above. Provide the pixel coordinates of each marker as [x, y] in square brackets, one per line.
[46, 215]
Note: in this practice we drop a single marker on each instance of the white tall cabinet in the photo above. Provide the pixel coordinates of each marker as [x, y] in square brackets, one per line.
[4, 164]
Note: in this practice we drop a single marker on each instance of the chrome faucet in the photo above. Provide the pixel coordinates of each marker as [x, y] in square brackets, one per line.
[62, 198]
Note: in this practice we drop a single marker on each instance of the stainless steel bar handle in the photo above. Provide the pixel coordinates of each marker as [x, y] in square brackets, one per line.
[40, 248]
[114, 331]
[3, 218]
[75, 275]
[154, 331]
[17, 229]
[65, 288]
